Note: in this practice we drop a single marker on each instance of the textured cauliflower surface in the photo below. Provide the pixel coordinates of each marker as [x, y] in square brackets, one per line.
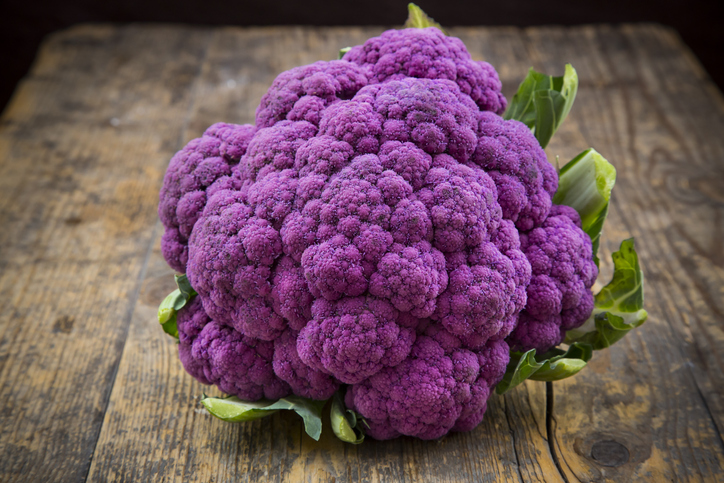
[366, 232]
[563, 272]
[190, 173]
[526, 181]
[428, 53]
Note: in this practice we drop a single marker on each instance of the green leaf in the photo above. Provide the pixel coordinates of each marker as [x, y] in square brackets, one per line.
[416, 18]
[345, 422]
[619, 306]
[166, 310]
[554, 365]
[170, 326]
[543, 102]
[182, 282]
[520, 368]
[343, 51]
[559, 364]
[585, 183]
[174, 302]
[234, 410]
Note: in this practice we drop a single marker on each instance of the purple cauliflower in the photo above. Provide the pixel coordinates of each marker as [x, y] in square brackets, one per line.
[366, 233]
[563, 272]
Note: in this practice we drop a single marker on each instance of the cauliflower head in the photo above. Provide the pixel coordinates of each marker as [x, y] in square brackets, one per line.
[381, 227]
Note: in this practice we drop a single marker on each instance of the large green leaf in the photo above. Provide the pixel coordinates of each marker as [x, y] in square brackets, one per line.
[585, 183]
[543, 102]
[619, 306]
[174, 302]
[418, 19]
[234, 410]
[554, 365]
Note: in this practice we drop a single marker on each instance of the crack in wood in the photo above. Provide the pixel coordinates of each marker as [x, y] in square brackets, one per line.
[550, 431]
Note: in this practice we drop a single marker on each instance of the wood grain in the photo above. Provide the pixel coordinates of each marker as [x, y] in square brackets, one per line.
[658, 394]
[83, 152]
[103, 397]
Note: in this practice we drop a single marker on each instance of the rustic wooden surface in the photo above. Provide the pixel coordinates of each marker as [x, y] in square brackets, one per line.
[92, 390]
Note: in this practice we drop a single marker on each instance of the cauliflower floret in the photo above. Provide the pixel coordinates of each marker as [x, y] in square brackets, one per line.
[563, 272]
[302, 93]
[440, 387]
[428, 53]
[303, 379]
[232, 253]
[217, 354]
[189, 175]
[526, 181]
[353, 338]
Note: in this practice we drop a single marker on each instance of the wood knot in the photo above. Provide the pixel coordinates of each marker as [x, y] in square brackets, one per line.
[609, 453]
[73, 221]
[63, 324]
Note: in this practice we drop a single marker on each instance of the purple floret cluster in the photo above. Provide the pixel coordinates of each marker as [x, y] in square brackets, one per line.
[380, 227]
[563, 272]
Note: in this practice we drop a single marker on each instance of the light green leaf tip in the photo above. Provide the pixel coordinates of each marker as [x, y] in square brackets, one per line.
[416, 18]
[619, 306]
[585, 183]
[174, 302]
[234, 410]
[345, 422]
[554, 365]
[543, 102]
[343, 51]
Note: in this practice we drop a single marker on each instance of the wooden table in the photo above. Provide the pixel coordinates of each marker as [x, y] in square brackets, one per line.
[92, 390]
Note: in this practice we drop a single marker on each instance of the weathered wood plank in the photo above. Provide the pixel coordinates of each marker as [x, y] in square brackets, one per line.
[650, 408]
[82, 152]
[509, 446]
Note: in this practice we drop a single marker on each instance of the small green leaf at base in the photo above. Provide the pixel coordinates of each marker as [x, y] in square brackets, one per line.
[184, 286]
[543, 102]
[174, 302]
[554, 365]
[234, 410]
[416, 18]
[345, 422]
[559, 364]
[170, 326]
[619, 306]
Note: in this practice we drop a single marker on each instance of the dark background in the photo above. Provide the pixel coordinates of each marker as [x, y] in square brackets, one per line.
[23, 24]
